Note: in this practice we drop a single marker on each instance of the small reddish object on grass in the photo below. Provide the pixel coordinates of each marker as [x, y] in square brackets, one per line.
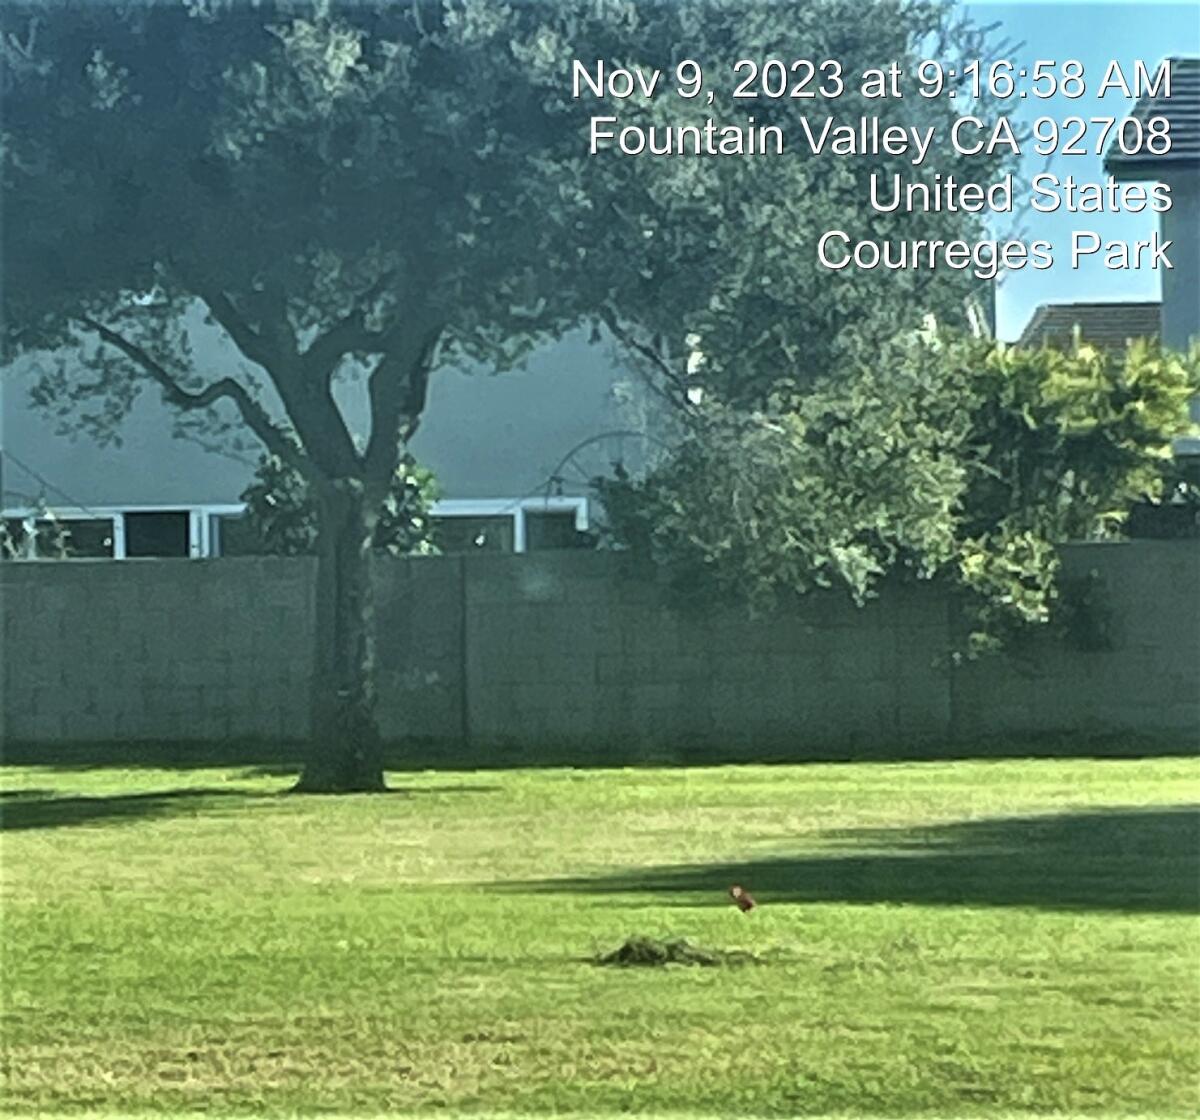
[742, 897]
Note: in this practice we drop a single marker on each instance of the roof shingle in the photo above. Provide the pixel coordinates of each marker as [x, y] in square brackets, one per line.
[1182, 110]
[1108, 326]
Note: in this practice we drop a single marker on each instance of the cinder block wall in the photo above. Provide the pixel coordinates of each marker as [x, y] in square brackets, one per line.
[156, 649]
[1149, 681]
[577, 649]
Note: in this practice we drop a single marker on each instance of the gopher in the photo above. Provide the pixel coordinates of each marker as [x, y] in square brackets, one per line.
[745, 903]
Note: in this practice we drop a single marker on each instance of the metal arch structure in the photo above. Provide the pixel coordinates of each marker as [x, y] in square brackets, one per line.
[572, 456]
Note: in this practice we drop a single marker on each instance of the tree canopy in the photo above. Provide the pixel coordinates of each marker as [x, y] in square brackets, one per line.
[940, 456]
[397, 171]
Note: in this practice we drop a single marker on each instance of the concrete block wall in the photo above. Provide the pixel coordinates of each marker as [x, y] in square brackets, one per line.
[578, 650]
[419, 618]
[1148, 681]
[156, 649]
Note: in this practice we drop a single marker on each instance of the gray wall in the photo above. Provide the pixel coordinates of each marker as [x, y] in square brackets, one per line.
[1181, 283]
[575, 651]
[483, 435]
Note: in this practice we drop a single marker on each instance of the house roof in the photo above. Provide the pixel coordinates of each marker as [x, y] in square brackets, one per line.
[1108, 326]
[1182, 111]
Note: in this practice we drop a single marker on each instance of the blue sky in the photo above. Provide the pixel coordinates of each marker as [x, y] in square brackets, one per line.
[1093, 33]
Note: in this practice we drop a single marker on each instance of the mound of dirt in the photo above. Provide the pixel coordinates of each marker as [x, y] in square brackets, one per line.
[650, 952]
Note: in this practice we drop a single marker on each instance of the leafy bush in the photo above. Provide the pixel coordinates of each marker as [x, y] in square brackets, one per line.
[942, 457]
[282, 515]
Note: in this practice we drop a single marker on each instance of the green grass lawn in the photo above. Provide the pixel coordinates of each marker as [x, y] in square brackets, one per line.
[941, 938]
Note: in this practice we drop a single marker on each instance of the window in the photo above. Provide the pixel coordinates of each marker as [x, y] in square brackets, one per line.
[91, 538]
[460, 533]
[161, 533]
[552, 529]
[231, 535]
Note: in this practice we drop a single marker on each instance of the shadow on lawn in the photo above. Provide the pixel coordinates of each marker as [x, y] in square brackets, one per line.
[30, 809]
[41, 808]
[1121, 859]
[271, 758]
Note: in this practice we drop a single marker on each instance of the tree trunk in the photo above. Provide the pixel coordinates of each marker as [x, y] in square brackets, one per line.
[345, 753]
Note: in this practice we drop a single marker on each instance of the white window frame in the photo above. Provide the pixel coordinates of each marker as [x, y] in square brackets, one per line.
[203, 542]
[515, 509]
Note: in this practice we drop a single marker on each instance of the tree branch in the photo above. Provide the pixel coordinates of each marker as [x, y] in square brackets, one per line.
[249, 341]
[676, 392]
[397, 389]
[346, 335]
[275, 439]
[308, 401]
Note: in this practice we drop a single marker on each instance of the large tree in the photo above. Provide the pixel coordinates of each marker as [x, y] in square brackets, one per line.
[359, 185]
[394, 185]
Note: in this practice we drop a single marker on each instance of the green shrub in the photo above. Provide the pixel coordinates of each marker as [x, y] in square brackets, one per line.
[943, 457]
[282, 516]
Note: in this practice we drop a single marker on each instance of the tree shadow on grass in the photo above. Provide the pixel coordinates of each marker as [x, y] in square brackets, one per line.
[1117, 859]
[293, 770]
[41, 808]
[19, 811]
[156, 755]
